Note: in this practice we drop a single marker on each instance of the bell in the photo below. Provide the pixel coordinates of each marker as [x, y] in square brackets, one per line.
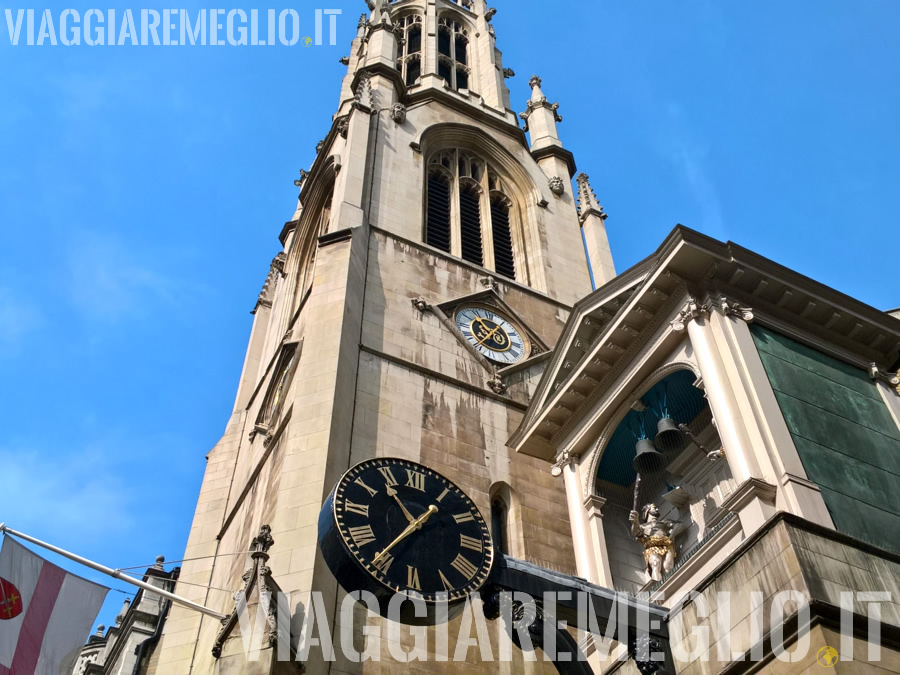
[647, 460]
[668, 436]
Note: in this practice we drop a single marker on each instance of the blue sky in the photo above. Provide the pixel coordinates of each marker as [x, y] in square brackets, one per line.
[142, 190]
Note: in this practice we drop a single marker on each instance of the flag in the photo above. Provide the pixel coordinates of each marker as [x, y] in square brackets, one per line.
[46, 613]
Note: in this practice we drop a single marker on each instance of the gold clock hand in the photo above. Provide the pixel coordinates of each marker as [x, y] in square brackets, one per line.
[393, 493]
[412, 527]
[489, 335]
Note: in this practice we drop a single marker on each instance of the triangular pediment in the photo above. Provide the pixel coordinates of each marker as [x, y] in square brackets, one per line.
[611, 328]
[491, 299]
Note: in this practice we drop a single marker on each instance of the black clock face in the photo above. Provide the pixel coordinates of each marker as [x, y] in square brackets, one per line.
[412, 530]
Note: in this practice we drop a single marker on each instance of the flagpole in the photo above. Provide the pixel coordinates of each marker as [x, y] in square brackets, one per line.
[116, 574]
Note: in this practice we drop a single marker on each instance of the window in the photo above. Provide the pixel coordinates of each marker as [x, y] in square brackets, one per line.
[467, 213]
[453, 53]
[409, 63]
[499, 529]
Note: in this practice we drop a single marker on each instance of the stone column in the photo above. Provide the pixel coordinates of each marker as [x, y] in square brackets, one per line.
[581, 536]
[754, 499]
[593, 505]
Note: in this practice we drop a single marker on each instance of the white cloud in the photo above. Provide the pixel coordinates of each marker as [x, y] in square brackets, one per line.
[690, 157]
[107, 281]
[64, 499]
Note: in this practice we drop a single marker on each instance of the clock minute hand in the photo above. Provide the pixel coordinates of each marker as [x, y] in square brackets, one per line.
[489, 335]
[412, 527]
[393, 493]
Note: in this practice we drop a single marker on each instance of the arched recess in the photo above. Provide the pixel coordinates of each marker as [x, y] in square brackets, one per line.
[317, 202]
[506, 521]
[523, 195]
[596, 455]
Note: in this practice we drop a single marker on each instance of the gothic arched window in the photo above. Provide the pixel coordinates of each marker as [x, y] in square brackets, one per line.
[453, 53]
[409, 62]
[467, 213]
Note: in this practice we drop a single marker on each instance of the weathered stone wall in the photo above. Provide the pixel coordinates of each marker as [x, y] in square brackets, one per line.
[788, 557]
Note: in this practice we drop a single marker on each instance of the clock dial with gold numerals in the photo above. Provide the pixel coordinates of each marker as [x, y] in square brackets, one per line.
[491, 334]
[396, 527]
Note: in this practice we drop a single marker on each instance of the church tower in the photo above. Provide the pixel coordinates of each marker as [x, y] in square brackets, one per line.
[427, 208]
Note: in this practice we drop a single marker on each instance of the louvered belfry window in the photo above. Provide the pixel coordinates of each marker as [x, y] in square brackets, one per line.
[409, 61]
[437, 231]
[467, 213]
[453, 53]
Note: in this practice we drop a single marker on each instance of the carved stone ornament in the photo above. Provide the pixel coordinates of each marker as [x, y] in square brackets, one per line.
[587, 199]
[735, 309]
[496, 383]
[344, 60]
[641, 649]
[490, 14]
[304, 174]
[258, 578]
[319, 146]
[276, 269]
[508, 73]
[888, 378]
[535, 81]
[343, 126]
[363, 94]
[557, 186]
[692, 310]
[562, 461]
[421, 304]
[398, 113]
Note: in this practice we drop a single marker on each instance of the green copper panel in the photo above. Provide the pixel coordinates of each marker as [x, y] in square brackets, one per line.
[846, 437]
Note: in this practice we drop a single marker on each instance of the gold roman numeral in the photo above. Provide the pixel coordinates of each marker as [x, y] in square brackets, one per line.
[415, 480]
[388, 476]
[384, 564]
[362, 535]
[464, 567]
[471, 543]
[361, 509]
[463, 517]
[444, 494]
[446, 584]
[412, 578]
[372, 493]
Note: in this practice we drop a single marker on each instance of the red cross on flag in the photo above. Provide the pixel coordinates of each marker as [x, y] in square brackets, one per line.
[46, 613]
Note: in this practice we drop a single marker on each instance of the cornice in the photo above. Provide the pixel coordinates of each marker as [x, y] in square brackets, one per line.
[558, 152]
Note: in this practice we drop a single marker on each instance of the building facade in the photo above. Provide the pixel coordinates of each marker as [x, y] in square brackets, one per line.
[426, 200]
[128, 647]
[429, 209]
[763, 412]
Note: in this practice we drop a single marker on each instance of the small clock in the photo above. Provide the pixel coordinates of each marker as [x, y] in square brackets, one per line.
[491, 334]
[391, 527]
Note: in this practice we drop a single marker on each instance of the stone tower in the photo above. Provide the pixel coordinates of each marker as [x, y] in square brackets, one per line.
[425, 197]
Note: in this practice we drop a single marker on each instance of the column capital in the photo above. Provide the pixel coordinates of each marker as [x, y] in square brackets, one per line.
[890, 379]
[735, 309]
[563, 460]
[692, 310]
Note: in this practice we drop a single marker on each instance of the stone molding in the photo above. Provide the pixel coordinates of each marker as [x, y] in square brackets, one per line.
[746, 492]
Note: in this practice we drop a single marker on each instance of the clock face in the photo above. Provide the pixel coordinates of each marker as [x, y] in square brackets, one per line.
[412, 530]
[491, 334]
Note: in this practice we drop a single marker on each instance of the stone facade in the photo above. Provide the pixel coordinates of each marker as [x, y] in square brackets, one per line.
[351, 356]
[792, 404]
[129, 647]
